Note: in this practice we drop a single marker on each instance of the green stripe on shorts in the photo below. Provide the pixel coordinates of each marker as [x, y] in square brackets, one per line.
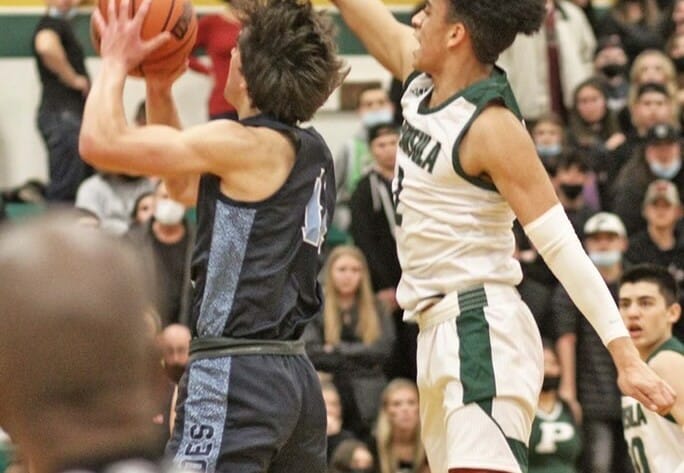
[475, 350]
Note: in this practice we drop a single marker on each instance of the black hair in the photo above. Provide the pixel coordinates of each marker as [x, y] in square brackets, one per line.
[381, 129]
[658, 275]
[494, 24]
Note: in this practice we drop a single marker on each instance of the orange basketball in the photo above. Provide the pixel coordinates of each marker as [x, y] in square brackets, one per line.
[175, 16]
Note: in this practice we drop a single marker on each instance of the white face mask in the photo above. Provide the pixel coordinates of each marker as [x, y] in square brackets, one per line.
[666, 171]
[169, 212]
[377, 117]
[605, 259]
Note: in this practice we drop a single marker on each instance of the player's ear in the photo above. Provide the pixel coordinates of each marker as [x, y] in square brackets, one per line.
[674, 312]
[456, 34]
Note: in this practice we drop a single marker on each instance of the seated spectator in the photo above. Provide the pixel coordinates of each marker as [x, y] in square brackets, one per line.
[352, 338]
[352, 456]
[610, 63]
[548, 134]
[111, 197]
[333, 410]
[555, 442]
[398, 446]
[80, 387]
[571, 180]
[649, 105]
[661, 159]
[166, 244]
[636, 23]
[662, 242]
[143, 209]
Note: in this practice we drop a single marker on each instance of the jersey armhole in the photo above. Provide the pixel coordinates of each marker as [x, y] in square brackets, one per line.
[455, 154]
[408, 81]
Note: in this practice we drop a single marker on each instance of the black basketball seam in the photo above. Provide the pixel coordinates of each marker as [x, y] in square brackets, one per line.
[173, 4]
[188, 35]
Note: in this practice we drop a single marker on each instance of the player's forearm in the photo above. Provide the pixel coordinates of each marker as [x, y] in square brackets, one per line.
[161, 108]
[623, 352]
[384, 37]
[555, 239]
[104, 121]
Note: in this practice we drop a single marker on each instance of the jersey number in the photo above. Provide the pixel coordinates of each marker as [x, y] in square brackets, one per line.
[638, 454]
[316, 216]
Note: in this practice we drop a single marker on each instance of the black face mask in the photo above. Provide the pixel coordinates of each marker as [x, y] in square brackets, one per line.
[551, 383]
[571, 191]
[174, 372]
[679, 63]
[614, 70]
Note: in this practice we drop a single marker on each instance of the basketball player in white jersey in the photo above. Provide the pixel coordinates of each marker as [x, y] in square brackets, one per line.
[649, 307]
[466, 167]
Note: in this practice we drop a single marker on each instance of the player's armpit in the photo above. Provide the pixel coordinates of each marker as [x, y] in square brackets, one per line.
[669, 365]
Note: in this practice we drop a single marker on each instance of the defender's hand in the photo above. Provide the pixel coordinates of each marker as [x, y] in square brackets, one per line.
[639, 381]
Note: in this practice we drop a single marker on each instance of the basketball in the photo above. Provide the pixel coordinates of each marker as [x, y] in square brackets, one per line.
[175, 16]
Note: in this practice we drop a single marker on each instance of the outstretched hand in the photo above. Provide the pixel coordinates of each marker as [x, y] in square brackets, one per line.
[120, 40]
[639, 381]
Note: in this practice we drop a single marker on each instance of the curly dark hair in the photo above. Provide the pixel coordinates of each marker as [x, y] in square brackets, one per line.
[493, 24]
[290, 60]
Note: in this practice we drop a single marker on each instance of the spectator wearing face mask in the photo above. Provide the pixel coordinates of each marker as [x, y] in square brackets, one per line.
[661, 158]
[548, 134]
[588, 376]
[166, 241]
[610, 63]
[351, 163]
[570, 180]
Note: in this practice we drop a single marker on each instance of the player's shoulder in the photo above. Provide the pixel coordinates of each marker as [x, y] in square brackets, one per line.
[668, 360]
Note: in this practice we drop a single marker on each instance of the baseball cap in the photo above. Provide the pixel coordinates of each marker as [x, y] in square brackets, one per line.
[662, 133]
[662, 189]
[604, 222]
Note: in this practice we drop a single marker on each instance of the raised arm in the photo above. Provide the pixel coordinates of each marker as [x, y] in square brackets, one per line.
[161, 110]
[498, 146]
[386, 39]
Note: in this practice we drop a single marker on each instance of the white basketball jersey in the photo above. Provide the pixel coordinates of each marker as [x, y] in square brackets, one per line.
[655, 443]
[453, 231]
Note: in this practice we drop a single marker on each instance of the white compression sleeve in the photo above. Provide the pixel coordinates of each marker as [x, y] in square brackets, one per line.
[555, 239]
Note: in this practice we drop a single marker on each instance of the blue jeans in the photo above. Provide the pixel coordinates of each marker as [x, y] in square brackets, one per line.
[60, 129]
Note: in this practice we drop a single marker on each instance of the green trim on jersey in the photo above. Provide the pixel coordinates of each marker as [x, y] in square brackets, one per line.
[520, 452]
[672, 344]
[482, 94]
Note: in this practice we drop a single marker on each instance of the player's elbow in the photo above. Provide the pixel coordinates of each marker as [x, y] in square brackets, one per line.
[91, 149]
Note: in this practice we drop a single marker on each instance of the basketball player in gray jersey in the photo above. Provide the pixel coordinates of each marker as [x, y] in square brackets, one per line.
[466, 167]
[264, 187]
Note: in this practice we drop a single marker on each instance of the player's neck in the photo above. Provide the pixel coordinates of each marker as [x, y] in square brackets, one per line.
[456, 75]
[663, 237]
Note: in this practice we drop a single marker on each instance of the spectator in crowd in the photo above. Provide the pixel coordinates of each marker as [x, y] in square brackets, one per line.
[636, 22]
[217, 36]
[112, 198]
[650, 105]
[352, 456]
[3, 214]
[143, 209]
[166, 244]
[333, 408]
[83, 400]
[65, 84]
[555, 442]
[662, 242]
[570, 180]
[544, 69]
[372, 228]
[595, 131]
[673, 20]
[588, 375]
[354, 159]
[175, 346]
[610, 63]
[398, 445]
[661, 158]
[353, 337]
[548, 134]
